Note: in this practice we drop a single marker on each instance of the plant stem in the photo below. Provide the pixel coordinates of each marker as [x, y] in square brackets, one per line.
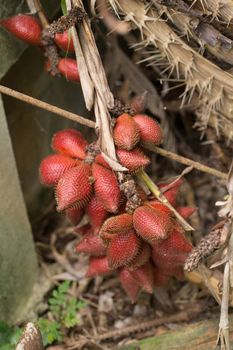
[186, 161]
[142, 175]
[89, 123]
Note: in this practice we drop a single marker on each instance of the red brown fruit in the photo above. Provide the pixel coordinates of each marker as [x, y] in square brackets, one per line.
[98, 266]
[74, 188]
[142, 257]
[126, 133]
[129, 285]
[172, 191]
[69, 142]
[150, 130]
[75, 215]
[170, 254]
[69, 69]
[155, 204]
[65, 41]
[53, 167]
[116, 225]
[186, 212]
[106, 187]
[152, 225]
[96, 212]
[123, 249]
[101, 161]
[24, 27]
[92, 244]
[144, 277]
[133, 160]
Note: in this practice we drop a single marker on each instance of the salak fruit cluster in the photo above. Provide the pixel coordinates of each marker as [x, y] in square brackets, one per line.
[28, 29]
[144, 246]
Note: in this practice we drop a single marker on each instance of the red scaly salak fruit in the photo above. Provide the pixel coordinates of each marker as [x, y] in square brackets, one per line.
[24, 27]
[186, 212]
[92, 244]
[69, 142]
[84, 230]
[150, 130]
[170, 254]
[74, 188]
[65, 41]
[101, 161]
[96, 212]
[53, 167]
[133, 160]
[142, 257]
[152, 225]
[129, 285]
[144, 277]
[75, 215]
[106, 187]
[122, 249]
[98, 266]
[160, 279]
[126, 133]
[116, 225]
[69, 69]
[155, 204]
[171, 193]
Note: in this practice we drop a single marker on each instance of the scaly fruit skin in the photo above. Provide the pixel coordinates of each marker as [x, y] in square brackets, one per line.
[69, 69]
[152, 225]
[106, 187]
[126, 133]
[116, 225]
[69, 142]
[150, 130]
[75, 215]
[133, 160]
[131, 288]
[24, 27]
[142, 257]
[171, 254]
[74, 188]
[143, 276]
[172, 192]
[99, 159]
[92, 244]
[155, 204]
[186, 212]
[98, 266]
[53, 167]
[96, 212]
[64, 41]
[123, 249]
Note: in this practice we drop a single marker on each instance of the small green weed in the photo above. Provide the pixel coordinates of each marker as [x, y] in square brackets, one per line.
[9, 336]
[63, 310]
[63, 313]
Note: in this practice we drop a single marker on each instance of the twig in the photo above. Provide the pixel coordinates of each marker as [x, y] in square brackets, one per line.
[178, 317]
[89, 123]
[46, 106]
[186, 161]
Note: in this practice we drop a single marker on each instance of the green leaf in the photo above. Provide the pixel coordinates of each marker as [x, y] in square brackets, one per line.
[63, 7]
[9, 336]
[50, 331]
